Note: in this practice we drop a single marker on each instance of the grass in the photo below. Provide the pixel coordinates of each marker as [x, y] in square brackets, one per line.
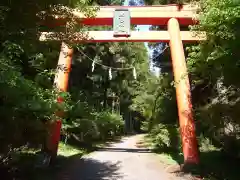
[26, 160]
[22, 165]
[67, 150]
[214, 164]
[65, 154]
[165, 157]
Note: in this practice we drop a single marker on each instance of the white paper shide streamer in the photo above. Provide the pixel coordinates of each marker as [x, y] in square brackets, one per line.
[94, 62]
[93, 65]
[134, 73]
[110, 73]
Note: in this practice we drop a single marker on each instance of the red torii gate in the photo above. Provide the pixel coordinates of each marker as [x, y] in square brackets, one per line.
[166, 15]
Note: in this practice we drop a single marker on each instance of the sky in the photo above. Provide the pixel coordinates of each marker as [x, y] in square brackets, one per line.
[155, 70]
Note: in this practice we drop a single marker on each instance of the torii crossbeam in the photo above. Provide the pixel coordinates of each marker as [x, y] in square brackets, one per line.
[140, 15]
[167, 15]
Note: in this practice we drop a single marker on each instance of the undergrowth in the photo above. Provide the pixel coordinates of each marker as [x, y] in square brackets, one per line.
[214, 163]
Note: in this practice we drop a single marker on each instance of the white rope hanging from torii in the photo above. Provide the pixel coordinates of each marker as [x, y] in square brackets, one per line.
[94, 62]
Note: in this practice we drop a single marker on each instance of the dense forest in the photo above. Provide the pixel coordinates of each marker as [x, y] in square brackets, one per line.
[105, 102]
[213, 68]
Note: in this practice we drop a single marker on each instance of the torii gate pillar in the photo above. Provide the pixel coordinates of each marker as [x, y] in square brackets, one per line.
[183, 94]
[61, 83]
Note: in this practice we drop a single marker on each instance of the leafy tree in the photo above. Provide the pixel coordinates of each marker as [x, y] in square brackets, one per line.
[213, 67]
[27, 97]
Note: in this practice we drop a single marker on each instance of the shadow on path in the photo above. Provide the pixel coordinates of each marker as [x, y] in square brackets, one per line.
[88, 169]
[131, 150]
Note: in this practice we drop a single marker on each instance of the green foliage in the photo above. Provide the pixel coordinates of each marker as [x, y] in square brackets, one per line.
[27, 97]
[155, 100]
[109, 124]
[95, 88]
[214, 68]
[166, 137]
[93, 126]
[24, 104]
[27, 70]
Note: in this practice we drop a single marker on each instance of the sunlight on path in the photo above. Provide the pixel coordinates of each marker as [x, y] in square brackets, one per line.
[119, 161]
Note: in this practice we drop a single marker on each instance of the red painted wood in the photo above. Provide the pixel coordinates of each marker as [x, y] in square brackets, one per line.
[134, 21]
[183, 95]
[107, 19]
[137, 21]
[55, 138]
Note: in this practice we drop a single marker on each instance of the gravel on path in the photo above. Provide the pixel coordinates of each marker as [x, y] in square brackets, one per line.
[119, 161]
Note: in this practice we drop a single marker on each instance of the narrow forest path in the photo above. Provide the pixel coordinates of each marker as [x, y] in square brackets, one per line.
[119, 161]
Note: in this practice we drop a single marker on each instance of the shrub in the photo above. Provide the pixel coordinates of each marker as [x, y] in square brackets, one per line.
[24, 107]
[165, 137]
[109, 124]
[87, 126]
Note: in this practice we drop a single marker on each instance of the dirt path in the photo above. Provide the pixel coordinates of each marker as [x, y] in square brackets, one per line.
[119, 161]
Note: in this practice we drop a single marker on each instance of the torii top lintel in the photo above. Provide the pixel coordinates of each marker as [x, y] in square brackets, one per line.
[141, 15]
